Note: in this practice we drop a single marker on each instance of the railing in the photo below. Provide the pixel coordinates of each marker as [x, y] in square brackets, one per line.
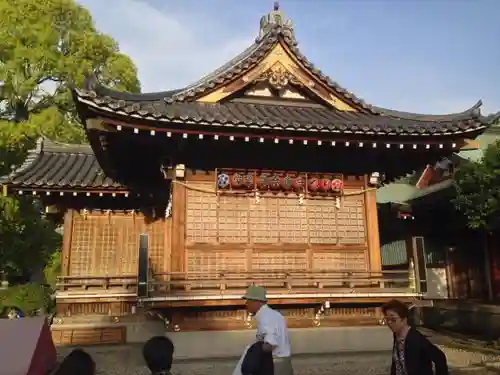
[87, 283]
[287, 280]
[208, 283]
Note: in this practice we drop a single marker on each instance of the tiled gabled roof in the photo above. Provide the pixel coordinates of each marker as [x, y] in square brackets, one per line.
[58, 166]
[289, 118]
[180, 105]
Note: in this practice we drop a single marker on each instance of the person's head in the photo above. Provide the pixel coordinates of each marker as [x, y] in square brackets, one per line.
[78, 362]
[158, 353]
[396, 315]
[255, 298]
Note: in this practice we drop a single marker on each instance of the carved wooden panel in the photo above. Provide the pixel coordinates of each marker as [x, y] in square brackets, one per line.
[336, 260]
[107, 244]
[279, 260]
[215, 261]
[201, 215]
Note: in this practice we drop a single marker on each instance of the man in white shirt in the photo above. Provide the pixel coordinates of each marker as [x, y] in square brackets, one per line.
[271, 329]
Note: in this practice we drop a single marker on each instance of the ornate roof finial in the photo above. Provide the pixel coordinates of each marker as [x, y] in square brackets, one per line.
[278, 22]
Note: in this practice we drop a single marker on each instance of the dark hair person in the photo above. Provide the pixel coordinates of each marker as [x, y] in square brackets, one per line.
[78, 362]
[158, 353]
[412, 353]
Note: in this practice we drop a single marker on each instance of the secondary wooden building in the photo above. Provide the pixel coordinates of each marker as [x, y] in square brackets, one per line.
[264, 171]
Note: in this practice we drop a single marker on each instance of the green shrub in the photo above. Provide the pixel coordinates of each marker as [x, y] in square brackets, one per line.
[53, 269]
[26, 297]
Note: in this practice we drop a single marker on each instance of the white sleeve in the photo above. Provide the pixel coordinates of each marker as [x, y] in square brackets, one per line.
[270, 333]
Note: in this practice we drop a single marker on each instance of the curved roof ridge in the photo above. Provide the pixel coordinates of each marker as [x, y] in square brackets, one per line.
[472, 112]
[49, 145]
[33, 154]
[92, 84]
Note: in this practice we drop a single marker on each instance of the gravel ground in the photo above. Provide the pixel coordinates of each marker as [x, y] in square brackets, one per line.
[126, 360]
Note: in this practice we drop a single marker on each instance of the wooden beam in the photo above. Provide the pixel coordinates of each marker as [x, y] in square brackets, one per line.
[372, 228]
[470, 144]
[178, 248]
[66, 247]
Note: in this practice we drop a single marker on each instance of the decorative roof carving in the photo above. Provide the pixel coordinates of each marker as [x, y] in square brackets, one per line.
[278, 77]
[276, 20]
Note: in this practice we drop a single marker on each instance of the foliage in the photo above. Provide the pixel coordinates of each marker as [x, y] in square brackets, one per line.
[27, 298]
[478, 190]
[26, 238]
[46, 47]
[53, 269]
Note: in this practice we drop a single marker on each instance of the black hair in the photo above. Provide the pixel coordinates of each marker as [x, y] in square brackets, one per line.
[398, 307]
[158, 353]
[78, 362]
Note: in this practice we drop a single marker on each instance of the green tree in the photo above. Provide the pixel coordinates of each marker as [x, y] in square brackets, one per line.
[477, 187]
[46, 47]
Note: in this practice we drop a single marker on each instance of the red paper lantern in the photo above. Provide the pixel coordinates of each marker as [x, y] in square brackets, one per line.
[274, 182]
[286, 182]
[325, 184]
[337, 184]
[248, 181]
[263, 181]
[236, 180]
[313, 184]
[298, 183]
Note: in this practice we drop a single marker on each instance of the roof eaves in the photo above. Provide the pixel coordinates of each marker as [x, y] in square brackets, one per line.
[33, 154]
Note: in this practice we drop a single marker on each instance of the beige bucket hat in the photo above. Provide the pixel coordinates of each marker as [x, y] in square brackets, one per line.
[256, 293]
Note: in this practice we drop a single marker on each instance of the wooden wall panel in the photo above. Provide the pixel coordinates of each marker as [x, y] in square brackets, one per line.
[293, 221]
[322, 218]
[351, 220]
[201, 216]
[264, 221]
[334, 260]
[274, 220]
[236, 233]
[215, 261]
[89, 336]
[107, 244]
[286, 260]
[233, 219]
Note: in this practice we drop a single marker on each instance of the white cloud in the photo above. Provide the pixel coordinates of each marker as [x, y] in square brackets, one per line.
[169, 49]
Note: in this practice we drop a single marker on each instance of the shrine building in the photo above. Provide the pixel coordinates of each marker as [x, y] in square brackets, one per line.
[263, 172]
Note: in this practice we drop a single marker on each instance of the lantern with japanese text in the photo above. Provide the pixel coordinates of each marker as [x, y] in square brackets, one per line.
[298, 183]
[286, 182]
[248, 181]
[223, 181]
[274, 182]
[325, 184]
[313, 184]
[337, 185]
[263, 181]
[236, 180]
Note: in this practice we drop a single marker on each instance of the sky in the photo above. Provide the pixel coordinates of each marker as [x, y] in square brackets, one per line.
[426, 56]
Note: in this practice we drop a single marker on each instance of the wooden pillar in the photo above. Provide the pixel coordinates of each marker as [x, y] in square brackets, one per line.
[178, 227]
[66, 245]
[372, 229]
